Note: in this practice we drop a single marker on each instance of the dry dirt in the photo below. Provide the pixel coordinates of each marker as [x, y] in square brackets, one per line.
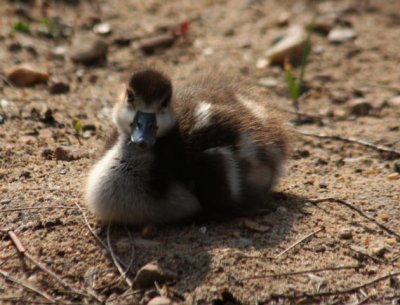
[214, 260]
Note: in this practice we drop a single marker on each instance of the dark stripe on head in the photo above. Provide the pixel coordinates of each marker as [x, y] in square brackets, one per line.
[150, 85]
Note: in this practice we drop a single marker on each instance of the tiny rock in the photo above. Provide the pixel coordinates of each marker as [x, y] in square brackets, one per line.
[151, 273]
[26, 76]
[340, 35]
[323, 24]
[66, 154]
[360, 107]
[88, 49]
[339, 97]
[59, 88]
[268, 82]
[262, 63]
[29, 140]
[289, 46]
[360, 250]
[393, 176]
[320, 248]
[150, 45]
[160, 301]
[346, 234]
[283, 19]
[379, 251]
[254, 226]
[384, 216]
[394, 101]
[48, 154]
[102, 28]
[59, 52]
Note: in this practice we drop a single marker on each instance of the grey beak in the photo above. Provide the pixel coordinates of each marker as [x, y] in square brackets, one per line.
[144, 129]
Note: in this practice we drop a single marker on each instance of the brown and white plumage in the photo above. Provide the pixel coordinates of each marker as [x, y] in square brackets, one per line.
[210, 146]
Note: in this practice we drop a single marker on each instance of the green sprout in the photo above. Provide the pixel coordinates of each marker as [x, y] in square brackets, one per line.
[296, 86]
[77, 125]
[21, 26]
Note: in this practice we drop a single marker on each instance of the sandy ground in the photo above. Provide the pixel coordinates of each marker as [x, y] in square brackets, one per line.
[213, 260]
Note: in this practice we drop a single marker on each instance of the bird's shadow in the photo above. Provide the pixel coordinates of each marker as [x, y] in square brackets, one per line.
[187, 249]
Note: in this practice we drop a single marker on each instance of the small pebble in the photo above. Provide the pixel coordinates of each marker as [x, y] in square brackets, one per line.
[254, 226]
[102, 28]
[340, 35]
[339, 97]
[283, 19]
[268, 82]
[150, 273]
[282, 210]
[59, 88]
[59, 52]
[393, 176]
[394, 101]
[384, 216]
[323, 25]
[320, 248]
[289, 46]
[391, 241]
[25, 174]
[48, 154]
[67, 154]
[379, 251]
[88, 49]
[360, 107]
[26, 76]
[262, 63]
[160, 301]
[203, 230]
[346, 234]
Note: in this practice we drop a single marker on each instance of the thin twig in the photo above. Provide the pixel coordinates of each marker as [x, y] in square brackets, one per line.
[115, 261]
[132, 256]
[336, 292]
[36, 208]
[377, 147]
[22, 250]
[362, 300]
[5, 79]
[365, 254]
[27, 286]
[359, 211]
[301, 113]
[21, 300]
[300, 272]
[299, 241]
[98, 239]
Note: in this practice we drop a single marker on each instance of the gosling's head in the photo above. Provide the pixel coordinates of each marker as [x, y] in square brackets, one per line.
[144, 113]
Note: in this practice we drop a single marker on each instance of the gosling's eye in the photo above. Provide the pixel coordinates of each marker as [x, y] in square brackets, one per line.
[130, 97]
[165, 101]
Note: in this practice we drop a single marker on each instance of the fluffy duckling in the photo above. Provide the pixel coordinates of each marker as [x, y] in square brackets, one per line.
[210, 146]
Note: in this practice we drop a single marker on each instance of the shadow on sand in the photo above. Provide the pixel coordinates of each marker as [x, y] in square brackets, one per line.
[187, 249]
